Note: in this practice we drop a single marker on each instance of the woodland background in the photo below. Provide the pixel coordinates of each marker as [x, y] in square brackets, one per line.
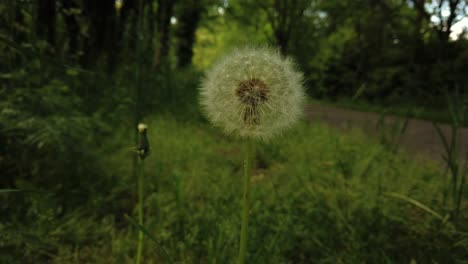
[76, 76]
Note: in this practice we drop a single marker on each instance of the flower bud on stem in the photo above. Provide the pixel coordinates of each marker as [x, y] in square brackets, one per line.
[143, 151]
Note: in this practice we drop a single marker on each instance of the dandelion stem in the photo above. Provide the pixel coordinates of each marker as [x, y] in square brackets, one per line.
[140, 211]
[245, 204]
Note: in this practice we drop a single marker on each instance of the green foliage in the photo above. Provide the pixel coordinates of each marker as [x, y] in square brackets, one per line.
[329, 72]
[46, 139]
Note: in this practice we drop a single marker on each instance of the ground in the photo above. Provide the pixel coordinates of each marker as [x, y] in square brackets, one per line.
[419, 138]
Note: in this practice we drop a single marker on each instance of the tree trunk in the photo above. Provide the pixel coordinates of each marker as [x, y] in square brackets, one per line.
[128, 17]
[188, 22]
[72, 25]
[282, 40]
[101, 41]
[45, 21]
[288, 16]
[164, 14]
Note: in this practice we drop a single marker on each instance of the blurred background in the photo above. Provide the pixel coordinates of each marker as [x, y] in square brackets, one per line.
[76, 76]
[384, 52]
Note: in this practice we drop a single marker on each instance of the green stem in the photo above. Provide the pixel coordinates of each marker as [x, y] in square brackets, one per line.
[461, 188]
[140, 211]
[245, 205]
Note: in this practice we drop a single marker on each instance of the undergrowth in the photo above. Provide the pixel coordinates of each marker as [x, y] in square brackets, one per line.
[317, 196]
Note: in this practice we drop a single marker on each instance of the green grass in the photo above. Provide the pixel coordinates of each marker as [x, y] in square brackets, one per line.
[317, 196]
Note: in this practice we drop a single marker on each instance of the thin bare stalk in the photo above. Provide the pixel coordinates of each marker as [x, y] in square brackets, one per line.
[245, 204]
[140, 210]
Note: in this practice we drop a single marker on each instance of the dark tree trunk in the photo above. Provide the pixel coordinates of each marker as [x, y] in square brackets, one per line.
[188, 22]
[72, 25]
[129, 11]
[447, 29]
[444, 29]
[102, 31]
[282, 40]
[45, 22]
[164, 14]
[151, 22]
[287, 17]
[15, 16]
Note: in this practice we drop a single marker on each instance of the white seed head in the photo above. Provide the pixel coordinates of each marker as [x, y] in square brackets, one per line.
[253, 92]
[142, 127]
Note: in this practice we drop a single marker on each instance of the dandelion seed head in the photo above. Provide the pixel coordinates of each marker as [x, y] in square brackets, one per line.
[253, 92]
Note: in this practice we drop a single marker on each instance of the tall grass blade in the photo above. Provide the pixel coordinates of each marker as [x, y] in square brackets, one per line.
[10, 190]
[416, 203]
[442, 137]
[24, 190]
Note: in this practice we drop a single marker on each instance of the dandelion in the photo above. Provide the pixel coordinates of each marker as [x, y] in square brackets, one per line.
[118, 4]
[142, 128]
[253, 93]
[143, 152]
[143, 148]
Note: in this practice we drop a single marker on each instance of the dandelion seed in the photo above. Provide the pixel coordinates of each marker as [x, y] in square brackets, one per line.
[253, 92]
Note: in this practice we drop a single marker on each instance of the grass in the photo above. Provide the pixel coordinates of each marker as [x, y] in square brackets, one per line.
[316, 196]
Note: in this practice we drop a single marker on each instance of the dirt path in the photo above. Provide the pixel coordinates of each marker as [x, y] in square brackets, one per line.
[420, 137]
